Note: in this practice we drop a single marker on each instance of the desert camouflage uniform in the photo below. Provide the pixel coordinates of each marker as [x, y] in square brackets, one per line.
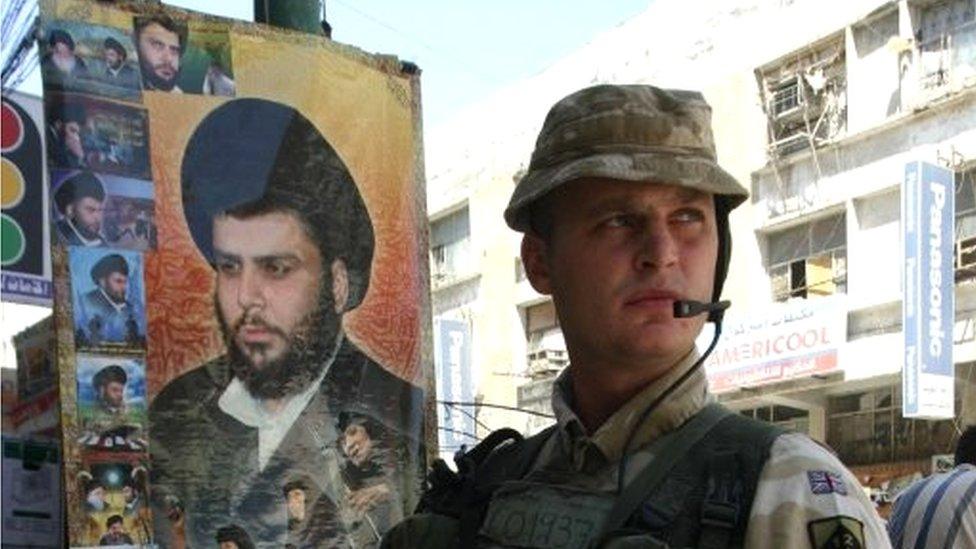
[804, 496]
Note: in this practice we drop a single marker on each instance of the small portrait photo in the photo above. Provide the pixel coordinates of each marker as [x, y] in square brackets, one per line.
[112, 402]
[114, 494]
[92, 209]
[78, 57]
[366, 470]
[108, 298]
[183, 57]
[87, 133]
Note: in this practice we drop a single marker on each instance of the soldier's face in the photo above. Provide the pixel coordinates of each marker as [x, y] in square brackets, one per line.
[159, 56]
[116, 528]
[113, 393]
[619, 256]
[87, 213]
[128, 494]
[115, 285]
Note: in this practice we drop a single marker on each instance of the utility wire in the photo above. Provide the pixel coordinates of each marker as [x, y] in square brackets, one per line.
[496, 406]
[19, 56]
[450, 408]
[456, 432]
[460, 64]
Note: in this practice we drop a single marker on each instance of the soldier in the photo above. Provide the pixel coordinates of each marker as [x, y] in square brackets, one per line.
[625, 215]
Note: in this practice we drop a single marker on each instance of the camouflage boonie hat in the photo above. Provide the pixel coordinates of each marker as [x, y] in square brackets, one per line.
[632, 133]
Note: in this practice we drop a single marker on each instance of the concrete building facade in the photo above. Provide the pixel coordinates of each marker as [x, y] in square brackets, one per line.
[817, 107]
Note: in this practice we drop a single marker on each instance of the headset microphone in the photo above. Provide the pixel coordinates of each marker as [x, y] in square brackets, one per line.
[685, 308]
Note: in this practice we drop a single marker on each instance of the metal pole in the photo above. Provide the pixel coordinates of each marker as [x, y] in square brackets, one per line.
[300, 15]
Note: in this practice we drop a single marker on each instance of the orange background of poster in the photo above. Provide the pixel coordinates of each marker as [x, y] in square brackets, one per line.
[366, 114]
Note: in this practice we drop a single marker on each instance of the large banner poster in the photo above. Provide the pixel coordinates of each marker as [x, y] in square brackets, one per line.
[241, 286]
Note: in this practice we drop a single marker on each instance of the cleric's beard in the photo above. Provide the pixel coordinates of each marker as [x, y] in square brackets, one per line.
[152, 81]
[309, 348]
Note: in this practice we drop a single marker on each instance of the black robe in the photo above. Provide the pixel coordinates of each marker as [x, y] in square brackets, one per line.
[206, 462]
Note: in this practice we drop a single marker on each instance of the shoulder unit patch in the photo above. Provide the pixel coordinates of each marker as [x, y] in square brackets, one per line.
[838, 532]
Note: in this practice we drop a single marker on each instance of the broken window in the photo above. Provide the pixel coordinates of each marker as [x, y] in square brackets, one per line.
[809, 260]
[946, 43]
[804, 97]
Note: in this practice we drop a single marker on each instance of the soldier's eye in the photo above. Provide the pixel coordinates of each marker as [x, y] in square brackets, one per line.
[618, 221]
[688, 215]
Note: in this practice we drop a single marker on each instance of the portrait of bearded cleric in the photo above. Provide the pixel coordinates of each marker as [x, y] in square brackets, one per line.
[274, 210]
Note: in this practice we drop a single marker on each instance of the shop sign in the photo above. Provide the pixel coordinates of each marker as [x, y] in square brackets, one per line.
[928, 309]
[789, 340]
[454, 384]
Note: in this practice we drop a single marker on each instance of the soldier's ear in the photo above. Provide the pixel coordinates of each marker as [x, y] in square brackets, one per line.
[340, 285]
[536, 264]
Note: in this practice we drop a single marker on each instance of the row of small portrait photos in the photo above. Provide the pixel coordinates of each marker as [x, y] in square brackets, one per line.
[158, 53]
[101, 188]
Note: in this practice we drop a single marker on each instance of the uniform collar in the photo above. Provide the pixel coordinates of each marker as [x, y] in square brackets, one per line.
[610, 437]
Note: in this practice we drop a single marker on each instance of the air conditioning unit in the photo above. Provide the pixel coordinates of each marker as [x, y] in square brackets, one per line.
[786, 98]
[546, 361]
[791, 144]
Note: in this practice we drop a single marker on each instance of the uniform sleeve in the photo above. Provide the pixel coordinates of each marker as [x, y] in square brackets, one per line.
[806, 498]
[428, 530]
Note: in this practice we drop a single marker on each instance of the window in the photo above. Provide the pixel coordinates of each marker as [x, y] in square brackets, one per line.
[867, 427]
[450, 245]
[519, 270]
[965, 252]
[786, 96]
[945, 42]
[805, 97]
[809, 260]
[785, 416]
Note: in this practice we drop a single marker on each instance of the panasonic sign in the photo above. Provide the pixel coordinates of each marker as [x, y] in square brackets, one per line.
[928, 310]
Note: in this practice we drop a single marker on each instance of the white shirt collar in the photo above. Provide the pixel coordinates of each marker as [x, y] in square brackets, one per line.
[240, 404]
[81, 237]
[119, 307]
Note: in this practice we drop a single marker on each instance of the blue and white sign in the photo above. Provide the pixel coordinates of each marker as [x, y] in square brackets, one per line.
[928, 309]
[456, 425]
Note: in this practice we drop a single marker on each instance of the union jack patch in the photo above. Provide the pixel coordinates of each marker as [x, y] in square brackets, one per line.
[825, 482]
